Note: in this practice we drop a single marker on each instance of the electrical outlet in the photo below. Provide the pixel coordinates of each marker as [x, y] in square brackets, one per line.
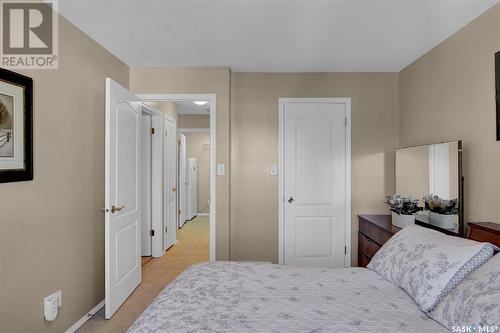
[51, 305]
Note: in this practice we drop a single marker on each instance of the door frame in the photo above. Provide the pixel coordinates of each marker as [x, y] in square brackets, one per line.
[156, 180]
[213, 148]
[281, 197]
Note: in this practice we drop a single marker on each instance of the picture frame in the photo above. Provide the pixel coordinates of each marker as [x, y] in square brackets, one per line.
[16, 127]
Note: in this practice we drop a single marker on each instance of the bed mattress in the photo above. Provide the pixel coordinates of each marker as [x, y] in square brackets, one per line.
[256, 297]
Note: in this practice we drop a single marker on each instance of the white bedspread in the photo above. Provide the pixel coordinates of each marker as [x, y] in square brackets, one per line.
[251, 297]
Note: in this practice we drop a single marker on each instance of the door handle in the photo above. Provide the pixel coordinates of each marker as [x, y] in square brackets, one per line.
[174, 189]
[115, 209]
[290, 200]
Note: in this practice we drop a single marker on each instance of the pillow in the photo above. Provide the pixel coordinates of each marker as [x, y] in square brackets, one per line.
[428, 264]
[475, 301]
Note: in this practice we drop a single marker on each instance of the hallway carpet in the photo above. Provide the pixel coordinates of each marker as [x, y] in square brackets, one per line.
[191, 248]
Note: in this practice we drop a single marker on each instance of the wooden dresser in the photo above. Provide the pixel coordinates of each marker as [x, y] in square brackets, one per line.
[374, 231]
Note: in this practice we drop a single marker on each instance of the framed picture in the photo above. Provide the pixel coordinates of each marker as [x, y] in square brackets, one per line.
[16, 127]
[497, 79]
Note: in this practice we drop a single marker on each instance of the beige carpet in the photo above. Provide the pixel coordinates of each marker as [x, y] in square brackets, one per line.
[191, 248]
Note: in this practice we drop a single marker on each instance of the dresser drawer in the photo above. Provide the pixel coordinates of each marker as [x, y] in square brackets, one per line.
[367, 246]
[373, 231]
[362, 260]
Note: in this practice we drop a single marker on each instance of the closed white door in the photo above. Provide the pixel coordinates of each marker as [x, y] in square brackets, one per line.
[170, 178]
[122, 198]
[182, 179]
[192, 188]
[314, 183]
[146, 184]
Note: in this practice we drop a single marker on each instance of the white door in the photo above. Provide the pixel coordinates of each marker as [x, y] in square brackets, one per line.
[170, 177]
[192, 188]
[122, 199]
[146, 184]
[314, 183]
[182, 179]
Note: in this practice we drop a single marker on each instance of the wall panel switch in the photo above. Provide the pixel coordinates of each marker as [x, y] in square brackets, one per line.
[273, 170]
[221, 170]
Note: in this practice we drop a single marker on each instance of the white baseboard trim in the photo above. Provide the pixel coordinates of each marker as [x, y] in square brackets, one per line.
[86, 317]
[203, 214]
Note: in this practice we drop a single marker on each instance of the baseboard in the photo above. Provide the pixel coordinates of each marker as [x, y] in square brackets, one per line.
[203, 214]
[86, 317]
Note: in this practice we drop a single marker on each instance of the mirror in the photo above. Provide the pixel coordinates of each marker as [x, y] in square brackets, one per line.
[434, 169]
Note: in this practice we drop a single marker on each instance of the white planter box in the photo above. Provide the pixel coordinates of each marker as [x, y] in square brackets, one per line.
[402, 221]
[440, 220]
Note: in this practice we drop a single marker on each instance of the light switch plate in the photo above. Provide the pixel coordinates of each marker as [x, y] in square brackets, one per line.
[221, 170]
[273, 170]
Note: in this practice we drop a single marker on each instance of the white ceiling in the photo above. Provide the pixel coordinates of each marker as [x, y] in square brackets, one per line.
[272, 35]
[188, 107]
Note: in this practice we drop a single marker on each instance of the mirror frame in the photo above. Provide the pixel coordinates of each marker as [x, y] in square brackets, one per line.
[461, 223]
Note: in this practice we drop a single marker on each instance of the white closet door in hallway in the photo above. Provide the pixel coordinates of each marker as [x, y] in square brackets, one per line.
[192, 188]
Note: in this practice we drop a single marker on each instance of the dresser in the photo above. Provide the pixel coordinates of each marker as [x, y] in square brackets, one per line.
[374, 231]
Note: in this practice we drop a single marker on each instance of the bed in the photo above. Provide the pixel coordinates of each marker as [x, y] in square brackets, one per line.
[252, 297]
[417, 275]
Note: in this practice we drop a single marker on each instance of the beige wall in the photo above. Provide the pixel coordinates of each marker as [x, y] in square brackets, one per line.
[193, 121]
[152, 80]
[52, 230]
[167, 108]
[254, 146]
[198, 146]
[449, 94]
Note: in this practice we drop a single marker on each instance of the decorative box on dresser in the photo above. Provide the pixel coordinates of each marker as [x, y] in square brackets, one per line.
[374, 231]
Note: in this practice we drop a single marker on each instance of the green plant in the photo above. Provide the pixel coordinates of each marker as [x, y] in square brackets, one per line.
[441, 206]
[402, 205]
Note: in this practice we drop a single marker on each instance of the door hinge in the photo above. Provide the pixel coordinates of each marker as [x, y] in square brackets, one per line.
[166, 132]
[166, 229]
[179, 212]
[180, 142]
[345, 122]
[345, 250]
[152, 233]
[152, 130]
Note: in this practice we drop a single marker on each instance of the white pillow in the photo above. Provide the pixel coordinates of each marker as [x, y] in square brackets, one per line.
[475, 301]
[428, 264]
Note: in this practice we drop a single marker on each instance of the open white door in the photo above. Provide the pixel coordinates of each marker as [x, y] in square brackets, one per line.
[170, 179]
[182, 179]
[192, 188]
[122, 186]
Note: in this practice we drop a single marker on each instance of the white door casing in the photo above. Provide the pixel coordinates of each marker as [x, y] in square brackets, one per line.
[212, 98]
[315, 182]
[182, 179]
[170, 176]
[146, 227]
[122, 199]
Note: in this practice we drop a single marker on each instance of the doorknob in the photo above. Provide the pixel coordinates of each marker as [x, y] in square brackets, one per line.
[290, 200]
[115, 209]
[174, 189]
